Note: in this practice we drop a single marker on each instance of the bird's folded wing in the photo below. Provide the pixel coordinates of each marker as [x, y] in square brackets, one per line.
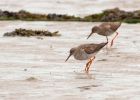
[107, 26]
[92, 48]
[105, 23]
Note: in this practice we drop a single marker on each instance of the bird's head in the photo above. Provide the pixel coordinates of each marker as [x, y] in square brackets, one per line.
[72, 50]
[94, 30]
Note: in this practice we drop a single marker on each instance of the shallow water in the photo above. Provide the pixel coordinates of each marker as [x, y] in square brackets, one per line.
[72, 7]
[115, 78]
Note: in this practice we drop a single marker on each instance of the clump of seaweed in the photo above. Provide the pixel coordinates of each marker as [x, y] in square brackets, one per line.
[93, 17]
[29, 32]
[115, 14]
[31, 79]
[59, 17]
[27, 16]
[106, 16]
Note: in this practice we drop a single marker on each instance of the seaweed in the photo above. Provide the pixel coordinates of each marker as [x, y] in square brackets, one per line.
[109, 15]
[28, 32]
[27, 16]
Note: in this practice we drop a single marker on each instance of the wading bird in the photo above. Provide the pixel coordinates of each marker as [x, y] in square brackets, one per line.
[86, 52]
[106, 29]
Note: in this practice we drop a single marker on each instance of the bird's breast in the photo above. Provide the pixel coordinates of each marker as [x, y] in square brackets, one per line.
[80, 55]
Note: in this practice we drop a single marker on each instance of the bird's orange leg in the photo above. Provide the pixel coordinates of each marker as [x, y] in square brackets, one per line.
[114, 39]
[90, 64]
[89, 61]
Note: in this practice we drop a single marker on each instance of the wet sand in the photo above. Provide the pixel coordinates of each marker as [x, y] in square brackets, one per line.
[32, 68]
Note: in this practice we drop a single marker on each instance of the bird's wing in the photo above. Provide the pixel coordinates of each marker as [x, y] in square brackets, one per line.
[92, 48]
[105, 25]
[115, 25]
[110, 25]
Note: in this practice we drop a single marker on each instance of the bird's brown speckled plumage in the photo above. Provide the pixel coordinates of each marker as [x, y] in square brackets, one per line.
[108, 28]
[91, 48]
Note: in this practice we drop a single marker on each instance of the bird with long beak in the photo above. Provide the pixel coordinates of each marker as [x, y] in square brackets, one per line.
[86, 52]
[106, 29]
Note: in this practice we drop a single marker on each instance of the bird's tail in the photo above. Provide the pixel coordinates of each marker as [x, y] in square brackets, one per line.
[101, 45]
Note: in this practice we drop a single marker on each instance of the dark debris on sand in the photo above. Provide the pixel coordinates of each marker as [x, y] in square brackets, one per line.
[115, 14]
[108, 15]
[27, 16]
[31, 79]
[29, 32]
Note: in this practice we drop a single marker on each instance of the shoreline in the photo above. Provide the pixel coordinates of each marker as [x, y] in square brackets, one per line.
[109, 15]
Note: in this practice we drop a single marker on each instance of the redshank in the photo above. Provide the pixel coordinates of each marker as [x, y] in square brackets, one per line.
[86, 52]
[106, 29]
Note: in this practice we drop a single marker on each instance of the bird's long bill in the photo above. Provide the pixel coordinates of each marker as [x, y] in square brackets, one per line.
[68, 57]
[89, 35]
